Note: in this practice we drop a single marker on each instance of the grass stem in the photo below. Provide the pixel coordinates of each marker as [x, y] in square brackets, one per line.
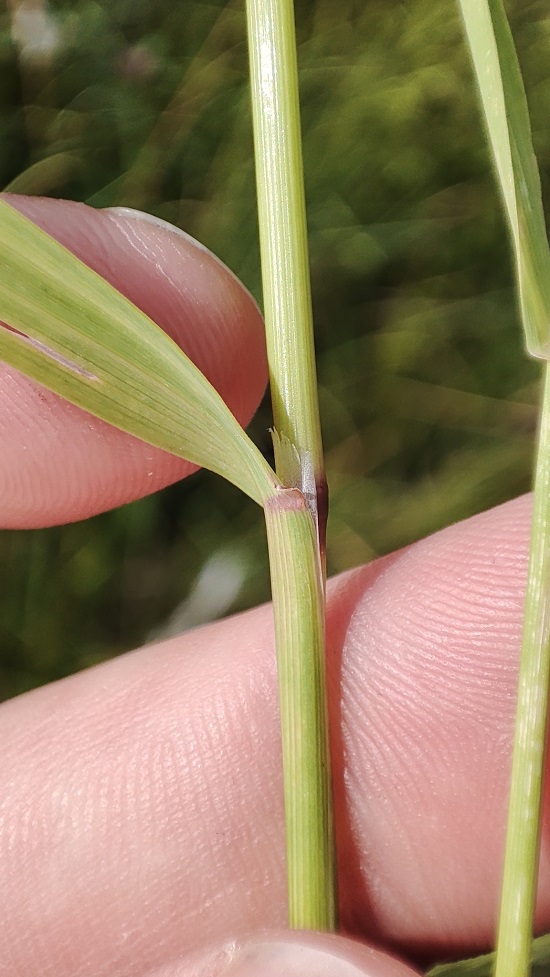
[283, 234]
[300, 637]
[514, 944]
[295, 517]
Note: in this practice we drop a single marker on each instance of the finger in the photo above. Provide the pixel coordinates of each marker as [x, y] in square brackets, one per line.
[283, 955]
[427, 707]
[142, 799]
[59, 463]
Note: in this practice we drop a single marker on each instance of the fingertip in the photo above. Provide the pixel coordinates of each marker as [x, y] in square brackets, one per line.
[59, 463]
[323, 956]
[428, 682]
[297, 954]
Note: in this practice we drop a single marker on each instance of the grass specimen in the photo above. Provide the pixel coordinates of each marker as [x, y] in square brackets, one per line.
[263, 482]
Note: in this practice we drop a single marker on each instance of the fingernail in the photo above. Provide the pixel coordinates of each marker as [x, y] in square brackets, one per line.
[290, 960]
[131, 214]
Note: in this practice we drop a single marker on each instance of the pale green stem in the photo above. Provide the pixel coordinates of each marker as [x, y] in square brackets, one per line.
[513, 957]
[300, 639]
[296, 520]
[283, 239]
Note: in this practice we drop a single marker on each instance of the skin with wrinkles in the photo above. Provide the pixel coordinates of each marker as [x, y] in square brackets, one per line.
[142, 798]
[141, 821]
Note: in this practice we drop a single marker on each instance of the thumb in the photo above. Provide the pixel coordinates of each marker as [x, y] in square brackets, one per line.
[309, 955]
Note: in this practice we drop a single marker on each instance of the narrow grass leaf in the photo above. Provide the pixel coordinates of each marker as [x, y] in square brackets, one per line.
[507, 118]
[505, 107]
[73, 332]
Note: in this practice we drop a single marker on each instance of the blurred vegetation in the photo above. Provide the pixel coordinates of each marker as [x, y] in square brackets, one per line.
[428, 402]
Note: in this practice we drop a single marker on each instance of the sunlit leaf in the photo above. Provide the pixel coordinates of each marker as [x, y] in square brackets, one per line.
[507, 119]
[505, 107]
[74, 333]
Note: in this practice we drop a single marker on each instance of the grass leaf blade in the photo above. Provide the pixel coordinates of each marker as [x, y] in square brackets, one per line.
[506, 113]
[507, 119]
[74, 333]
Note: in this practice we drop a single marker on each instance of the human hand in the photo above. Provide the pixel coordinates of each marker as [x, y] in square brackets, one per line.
[141, 821]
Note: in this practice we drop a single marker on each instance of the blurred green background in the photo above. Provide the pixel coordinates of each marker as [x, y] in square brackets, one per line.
[428, 402]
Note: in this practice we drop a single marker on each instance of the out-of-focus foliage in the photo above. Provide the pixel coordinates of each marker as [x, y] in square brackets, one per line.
[428, 402]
